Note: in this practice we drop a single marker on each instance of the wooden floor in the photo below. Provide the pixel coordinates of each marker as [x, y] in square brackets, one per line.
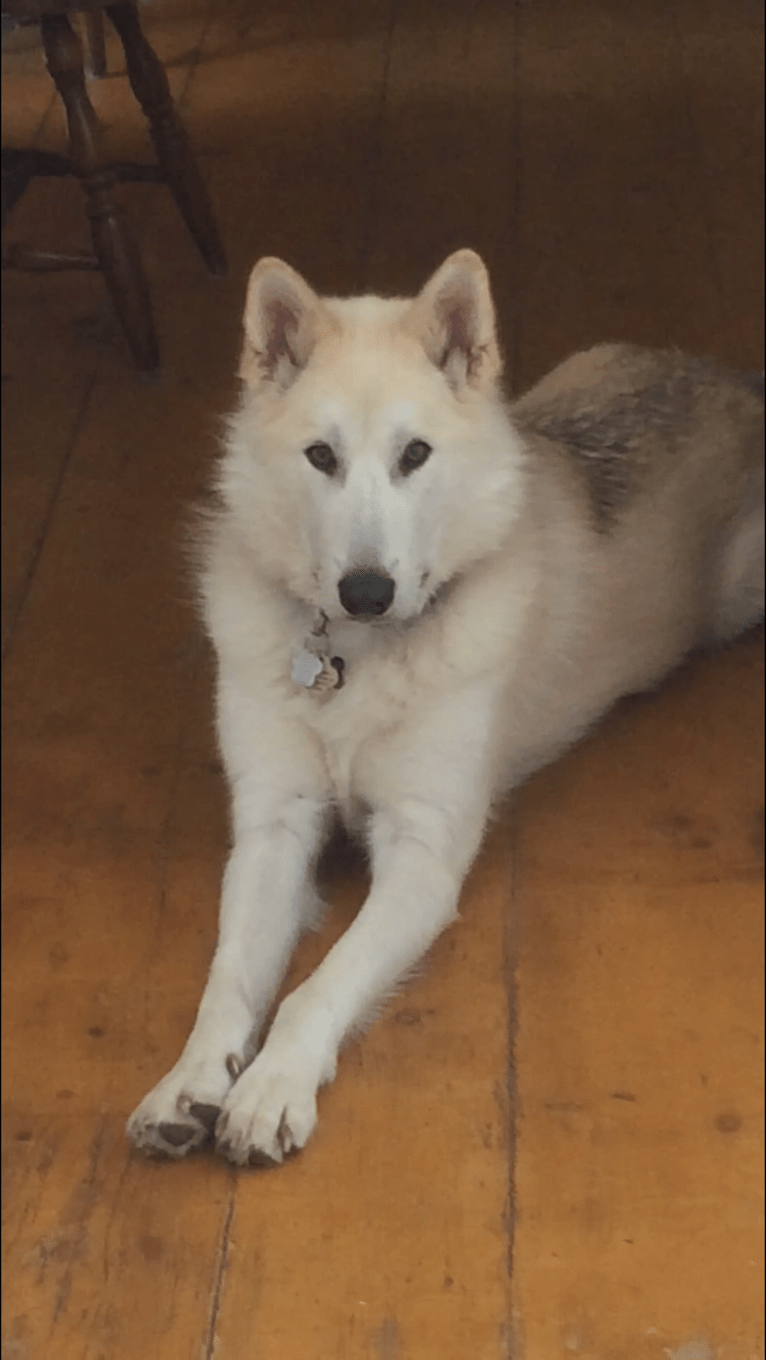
[551, 1144]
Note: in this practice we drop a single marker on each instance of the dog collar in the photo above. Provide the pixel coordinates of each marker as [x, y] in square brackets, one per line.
[313, 667]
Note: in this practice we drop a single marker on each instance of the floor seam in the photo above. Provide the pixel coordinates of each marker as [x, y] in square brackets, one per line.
[219, 1274]
[50, 510]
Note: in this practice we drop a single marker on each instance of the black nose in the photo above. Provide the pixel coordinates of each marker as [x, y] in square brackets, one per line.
[366, 592]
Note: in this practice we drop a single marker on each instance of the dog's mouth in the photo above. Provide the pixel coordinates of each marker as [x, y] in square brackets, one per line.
[315, 667]
[371, 620]
[397, 615]
[440, 593]
[393, 620]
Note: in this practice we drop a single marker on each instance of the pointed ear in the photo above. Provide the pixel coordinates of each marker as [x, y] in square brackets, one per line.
[454, 319]
[282, 322]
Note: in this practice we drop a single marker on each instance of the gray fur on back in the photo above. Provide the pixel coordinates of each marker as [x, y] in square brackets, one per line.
[614, 417]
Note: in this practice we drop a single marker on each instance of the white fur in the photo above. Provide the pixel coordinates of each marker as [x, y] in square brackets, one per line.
[513, 626]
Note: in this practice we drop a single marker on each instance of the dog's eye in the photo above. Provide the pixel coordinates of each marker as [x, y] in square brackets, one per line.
[322, 458]
[415, 455]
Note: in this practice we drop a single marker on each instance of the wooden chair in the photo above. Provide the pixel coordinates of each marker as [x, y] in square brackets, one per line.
[115, 252]
[95, 44]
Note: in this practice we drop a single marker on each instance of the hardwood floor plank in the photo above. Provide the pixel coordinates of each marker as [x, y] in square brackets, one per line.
[639, 870]
[610, 960]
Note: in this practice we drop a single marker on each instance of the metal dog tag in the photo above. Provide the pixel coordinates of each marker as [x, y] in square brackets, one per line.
[306, 668]
[313, 667]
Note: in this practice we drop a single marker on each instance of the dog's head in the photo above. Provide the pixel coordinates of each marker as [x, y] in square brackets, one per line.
[371, 460]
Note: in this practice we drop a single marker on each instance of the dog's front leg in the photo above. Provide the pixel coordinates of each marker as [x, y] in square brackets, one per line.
[421, 852]
[265, 903]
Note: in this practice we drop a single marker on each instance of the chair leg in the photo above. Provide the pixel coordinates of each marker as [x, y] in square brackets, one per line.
[113, 242]
[95, 46]
[150, 85]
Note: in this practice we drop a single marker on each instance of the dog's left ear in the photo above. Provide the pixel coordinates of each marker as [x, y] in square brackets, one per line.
[454, 319]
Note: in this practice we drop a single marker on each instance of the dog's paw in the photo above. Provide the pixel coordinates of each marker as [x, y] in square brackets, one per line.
[178, 1115]
[270, 1112]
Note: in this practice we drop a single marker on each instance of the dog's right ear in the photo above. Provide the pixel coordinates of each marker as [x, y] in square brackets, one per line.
[282, 319]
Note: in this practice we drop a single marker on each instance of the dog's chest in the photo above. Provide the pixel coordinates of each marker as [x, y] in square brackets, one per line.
[350, 720]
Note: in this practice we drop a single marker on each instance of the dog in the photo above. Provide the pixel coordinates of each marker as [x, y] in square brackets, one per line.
[418, 594]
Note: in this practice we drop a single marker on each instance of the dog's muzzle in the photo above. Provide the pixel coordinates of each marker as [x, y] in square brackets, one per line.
[366, 592]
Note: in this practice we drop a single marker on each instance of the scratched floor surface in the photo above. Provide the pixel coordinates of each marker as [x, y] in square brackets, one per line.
[551, 1144]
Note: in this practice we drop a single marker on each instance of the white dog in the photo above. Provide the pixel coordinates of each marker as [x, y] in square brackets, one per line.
[417, 596]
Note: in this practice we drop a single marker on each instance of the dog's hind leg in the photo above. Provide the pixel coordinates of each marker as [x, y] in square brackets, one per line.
[739, 601]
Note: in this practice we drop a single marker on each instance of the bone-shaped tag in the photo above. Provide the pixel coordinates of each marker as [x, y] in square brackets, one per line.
[306, 668]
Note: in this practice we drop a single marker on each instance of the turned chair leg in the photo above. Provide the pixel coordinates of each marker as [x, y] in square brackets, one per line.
[113, 242]
[179, 167]
[95, 45]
